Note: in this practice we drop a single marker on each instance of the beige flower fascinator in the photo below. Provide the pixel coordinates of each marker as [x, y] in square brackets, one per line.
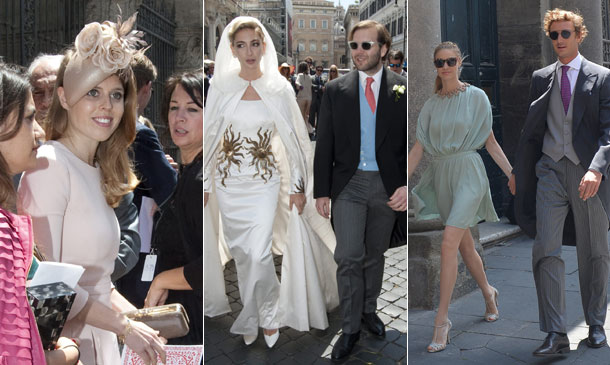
[101, 50]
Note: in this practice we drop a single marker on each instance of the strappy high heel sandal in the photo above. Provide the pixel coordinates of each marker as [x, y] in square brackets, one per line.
[492, 317]
[435, 346]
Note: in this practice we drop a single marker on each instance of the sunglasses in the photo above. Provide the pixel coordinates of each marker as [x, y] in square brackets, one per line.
[439, 62]
[396, 64]
[333, 71]
[365, 45]
[565, 34]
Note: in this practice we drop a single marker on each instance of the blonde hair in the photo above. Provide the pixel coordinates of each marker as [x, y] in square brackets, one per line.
[559, 15]
[438, 84]
[117, 176]
[245, 24]
[330, 75]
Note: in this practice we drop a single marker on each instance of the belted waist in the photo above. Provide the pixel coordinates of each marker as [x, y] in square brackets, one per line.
[454, 155]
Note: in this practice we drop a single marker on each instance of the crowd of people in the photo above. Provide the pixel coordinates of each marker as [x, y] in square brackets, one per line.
[97, 190]
[267, 192]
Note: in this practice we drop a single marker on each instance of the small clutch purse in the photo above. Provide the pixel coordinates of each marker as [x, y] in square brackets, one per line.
[170, 320]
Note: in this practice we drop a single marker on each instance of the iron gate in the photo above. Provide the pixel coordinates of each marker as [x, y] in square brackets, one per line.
[30, 27]
[155, 20]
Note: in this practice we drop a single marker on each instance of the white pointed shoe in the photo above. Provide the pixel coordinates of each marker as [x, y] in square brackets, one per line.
[249, 339]
[272, 339]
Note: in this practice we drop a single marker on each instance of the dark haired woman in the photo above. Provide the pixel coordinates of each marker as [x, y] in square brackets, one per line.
[178, 233]
[20, 135]
[453, 124]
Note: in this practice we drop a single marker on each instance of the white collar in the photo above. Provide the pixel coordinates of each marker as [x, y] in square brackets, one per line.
[574, 64]
[377, 77]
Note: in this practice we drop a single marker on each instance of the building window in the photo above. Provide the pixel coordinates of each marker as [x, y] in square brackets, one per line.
[312, 46]
[312, 24]
[372, 8]
[400, 26]
[324, 24]
[393, 32]
[301, 23]
[325, 46]
[301, 46]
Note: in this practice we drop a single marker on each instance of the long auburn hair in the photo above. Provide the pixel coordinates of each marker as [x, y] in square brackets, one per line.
[14, 90]
[117, 175]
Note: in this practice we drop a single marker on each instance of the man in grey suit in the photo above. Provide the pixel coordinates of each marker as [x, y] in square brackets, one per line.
[361, 165]
[563, 158]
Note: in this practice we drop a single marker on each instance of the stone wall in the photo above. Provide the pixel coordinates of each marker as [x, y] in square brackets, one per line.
[424, 35]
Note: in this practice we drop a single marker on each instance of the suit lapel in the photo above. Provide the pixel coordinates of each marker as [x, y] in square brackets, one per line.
[582, 89]
[384, 103]
[351, 90]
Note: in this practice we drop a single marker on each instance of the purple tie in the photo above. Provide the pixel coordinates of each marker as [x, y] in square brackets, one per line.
[566, 92]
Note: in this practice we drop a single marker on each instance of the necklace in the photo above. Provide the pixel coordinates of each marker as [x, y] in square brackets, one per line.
[450, 93]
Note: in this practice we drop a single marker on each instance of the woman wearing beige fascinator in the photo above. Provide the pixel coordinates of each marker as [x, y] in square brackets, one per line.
[81, 173]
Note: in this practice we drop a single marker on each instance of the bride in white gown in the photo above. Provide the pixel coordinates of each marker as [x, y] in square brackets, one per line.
[257, 175]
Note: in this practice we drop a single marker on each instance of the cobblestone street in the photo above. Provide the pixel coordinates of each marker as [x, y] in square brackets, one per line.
[314, 347]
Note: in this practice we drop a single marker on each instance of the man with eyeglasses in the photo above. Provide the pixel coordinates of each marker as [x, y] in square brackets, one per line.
[361, 165]
[395, 59]
[317, 90]
[561, 181]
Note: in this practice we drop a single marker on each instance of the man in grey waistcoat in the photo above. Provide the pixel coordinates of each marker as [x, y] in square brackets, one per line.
[561, 180]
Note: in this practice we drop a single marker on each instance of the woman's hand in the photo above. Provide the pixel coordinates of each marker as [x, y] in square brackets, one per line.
[298, 200]
[65, 353]
[157, 295]
[145, 341]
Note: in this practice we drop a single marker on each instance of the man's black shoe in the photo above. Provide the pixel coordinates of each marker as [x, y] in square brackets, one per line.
[344, 345]
[374, 324]
[554, 343]
[597, 336]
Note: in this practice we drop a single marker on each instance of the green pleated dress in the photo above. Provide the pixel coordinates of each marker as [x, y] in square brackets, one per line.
[455, 187]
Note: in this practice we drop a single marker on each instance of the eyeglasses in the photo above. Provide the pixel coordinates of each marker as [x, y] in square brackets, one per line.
[565, 34]
[319, 69]
[396, 64]
[439, 62]
[365, 45]
[310, 62]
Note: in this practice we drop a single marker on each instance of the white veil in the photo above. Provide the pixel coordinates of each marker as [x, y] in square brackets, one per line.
[226, 72]
[308, 286]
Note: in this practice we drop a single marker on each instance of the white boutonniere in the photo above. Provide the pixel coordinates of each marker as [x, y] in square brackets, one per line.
[399, 90]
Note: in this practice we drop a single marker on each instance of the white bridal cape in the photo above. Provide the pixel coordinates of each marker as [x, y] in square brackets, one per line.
[308, 287]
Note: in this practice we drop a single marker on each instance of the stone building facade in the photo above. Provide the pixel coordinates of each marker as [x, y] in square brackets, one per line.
[218, 13]
[392, 14]
[352, 16]
[340, 39]
[312, 30]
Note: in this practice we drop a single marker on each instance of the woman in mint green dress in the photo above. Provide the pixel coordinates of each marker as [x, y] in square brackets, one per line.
[454, 123]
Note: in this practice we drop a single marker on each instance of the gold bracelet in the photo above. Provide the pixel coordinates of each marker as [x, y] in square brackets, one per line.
[126, 333]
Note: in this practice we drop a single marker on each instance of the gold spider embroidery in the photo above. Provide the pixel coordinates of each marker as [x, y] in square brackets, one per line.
[229, 153]
[262, 157]
[299, 187]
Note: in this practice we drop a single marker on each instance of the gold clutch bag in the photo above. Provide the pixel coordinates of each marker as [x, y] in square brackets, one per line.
[170, 320]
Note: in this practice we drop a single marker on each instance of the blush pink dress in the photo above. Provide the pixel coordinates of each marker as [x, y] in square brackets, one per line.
[19, 339]
[74, 224]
